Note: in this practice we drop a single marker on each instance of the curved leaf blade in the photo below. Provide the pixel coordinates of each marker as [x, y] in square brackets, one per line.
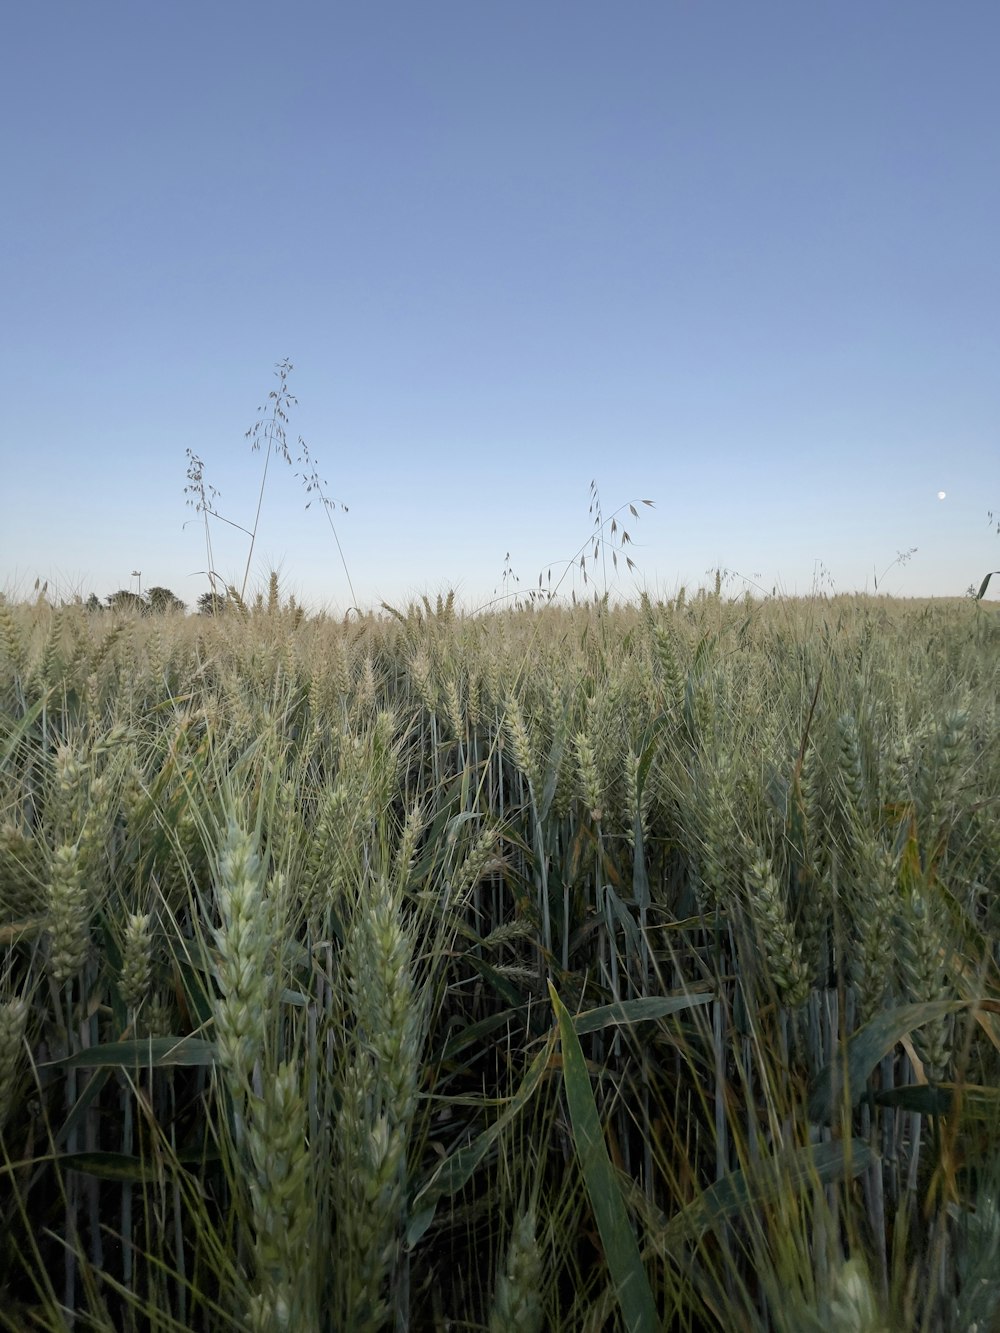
[146, 1052]
[816, 1163]
[621, 1249]
[866, 1048]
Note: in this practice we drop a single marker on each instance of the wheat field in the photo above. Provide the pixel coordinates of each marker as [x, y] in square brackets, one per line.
[584, 967]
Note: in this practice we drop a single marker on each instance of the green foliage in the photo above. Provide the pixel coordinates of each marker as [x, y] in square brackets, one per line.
[211, 604]
[155, 601]
[624, 1262]
[162, 600]
[123, 600]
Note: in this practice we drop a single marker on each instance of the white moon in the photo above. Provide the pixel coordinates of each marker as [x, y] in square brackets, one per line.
[942, 494]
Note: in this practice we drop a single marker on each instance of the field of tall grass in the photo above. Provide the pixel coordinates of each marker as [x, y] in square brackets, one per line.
[589, 967]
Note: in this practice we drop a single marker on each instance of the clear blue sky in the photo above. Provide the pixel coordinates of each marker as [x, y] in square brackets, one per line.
[741, 259]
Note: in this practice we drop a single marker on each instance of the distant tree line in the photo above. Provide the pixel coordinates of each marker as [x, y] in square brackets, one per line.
[155, 602]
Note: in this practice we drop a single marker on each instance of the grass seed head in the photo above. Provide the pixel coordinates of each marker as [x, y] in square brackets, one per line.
[281, 1192]
[69, 906]
[782, 950]
[13, 1021]
[517, 1303]
[137, 959]
[588, 777]
[243, 941]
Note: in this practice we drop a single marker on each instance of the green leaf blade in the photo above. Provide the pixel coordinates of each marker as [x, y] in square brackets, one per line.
[635, 1299]
[145, 1053]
